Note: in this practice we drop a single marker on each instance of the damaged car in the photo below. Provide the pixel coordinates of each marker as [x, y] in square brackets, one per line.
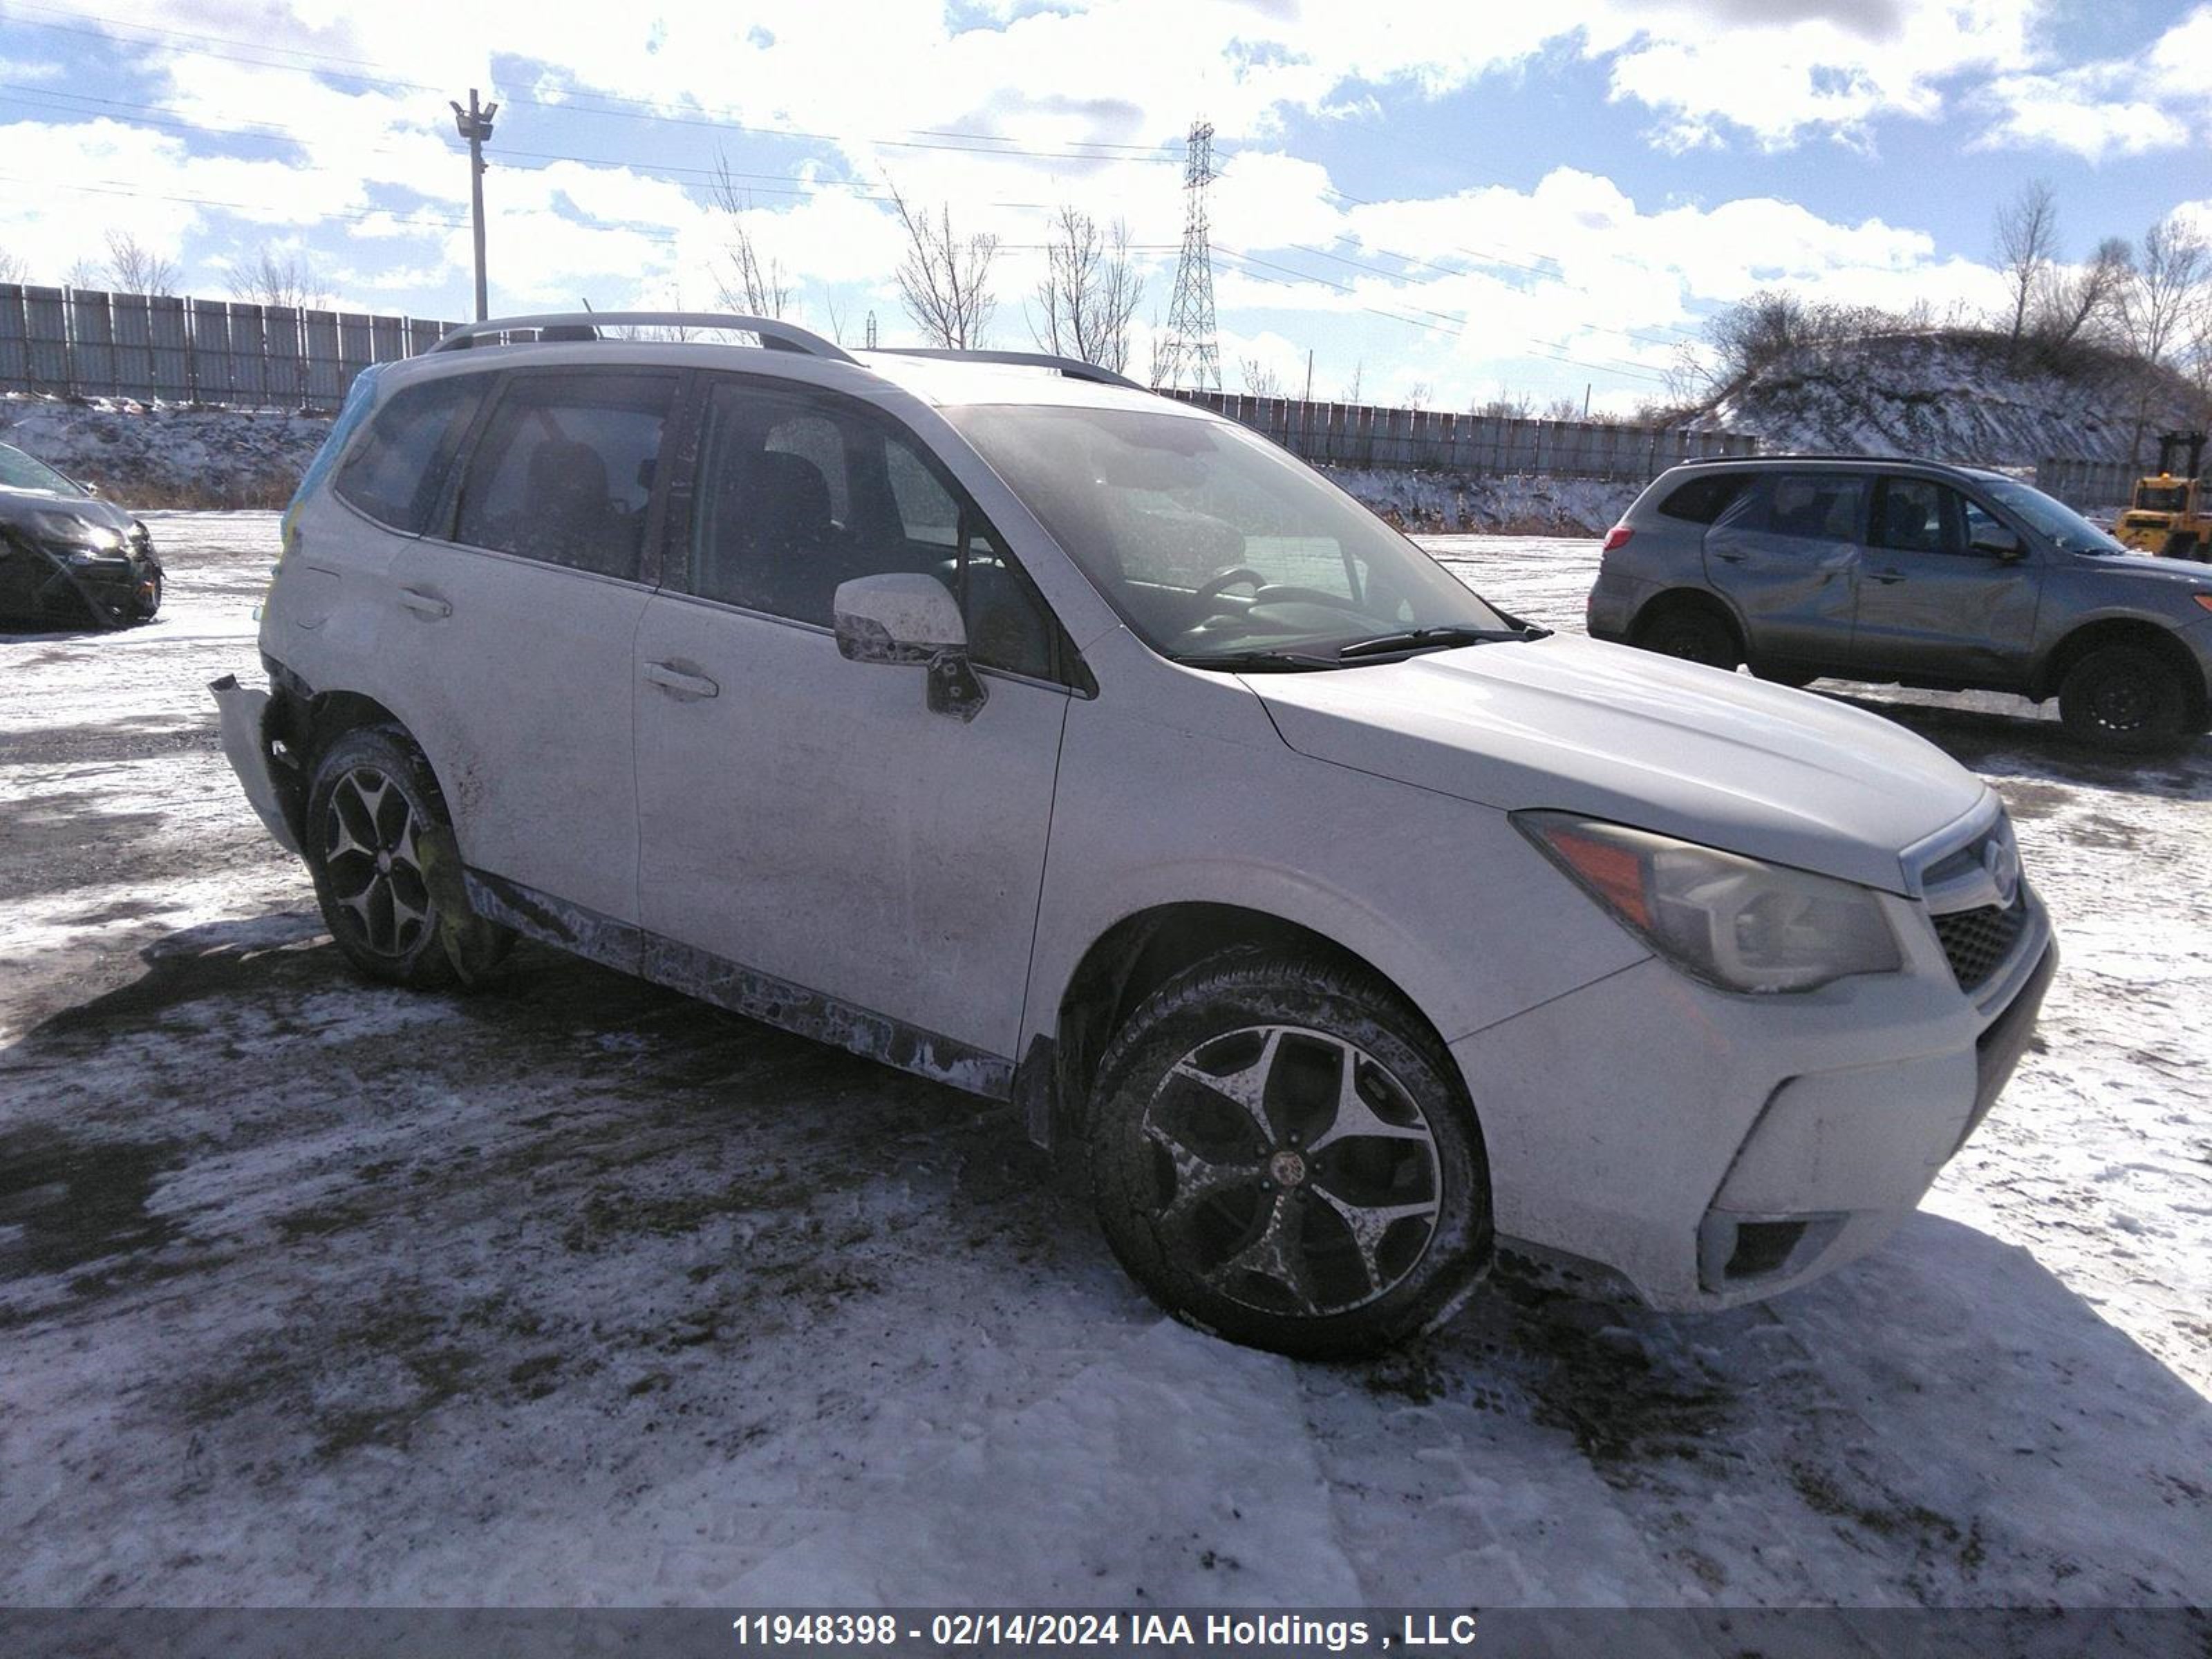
[67, 557]
[993, 718]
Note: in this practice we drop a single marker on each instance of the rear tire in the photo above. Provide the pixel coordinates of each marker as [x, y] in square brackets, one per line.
[1691, 633]
[387, 867]
[2124, 697]
[1280, 1154]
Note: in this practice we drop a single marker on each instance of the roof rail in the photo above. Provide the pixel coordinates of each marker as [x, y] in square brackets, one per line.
[1074, 368]
[775, 334]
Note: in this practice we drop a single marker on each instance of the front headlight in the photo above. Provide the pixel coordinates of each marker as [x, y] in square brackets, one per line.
[1734, 922]
[65, 530]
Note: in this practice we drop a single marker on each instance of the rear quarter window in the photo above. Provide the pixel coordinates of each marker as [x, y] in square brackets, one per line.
[1704, 498]
[397, 469]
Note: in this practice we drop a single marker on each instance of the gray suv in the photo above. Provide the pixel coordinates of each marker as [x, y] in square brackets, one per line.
[1910, 573]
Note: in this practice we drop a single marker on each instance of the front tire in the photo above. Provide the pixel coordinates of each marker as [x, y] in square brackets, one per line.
[2124, 697]
[387, 869]
[1280, 1154]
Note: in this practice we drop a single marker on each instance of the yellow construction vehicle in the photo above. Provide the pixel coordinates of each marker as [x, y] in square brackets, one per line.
[2172, 513]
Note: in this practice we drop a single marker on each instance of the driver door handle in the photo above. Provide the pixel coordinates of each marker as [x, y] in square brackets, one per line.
[425, 604]
[1885, 575]
[669, 677]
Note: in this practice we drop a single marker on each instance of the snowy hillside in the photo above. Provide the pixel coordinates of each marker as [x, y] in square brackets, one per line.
[1950, 396]
[162, 457]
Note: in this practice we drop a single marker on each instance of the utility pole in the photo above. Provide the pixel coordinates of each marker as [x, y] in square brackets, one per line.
[475, 125]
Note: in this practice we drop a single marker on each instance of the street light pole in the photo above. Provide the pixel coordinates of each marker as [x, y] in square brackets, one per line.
[475, 125]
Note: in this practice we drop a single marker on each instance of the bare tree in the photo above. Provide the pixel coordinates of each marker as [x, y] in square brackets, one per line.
[2166, 286]
[12, 268]
[270, 279]
[1349, 391]
[944, 280]
[134, 268]
[2085, 302]
[2027, 244]
[1260, 380]
[747, 284]
[1089, 294]
[82, 273]
[1419, 394]
[2160, 300]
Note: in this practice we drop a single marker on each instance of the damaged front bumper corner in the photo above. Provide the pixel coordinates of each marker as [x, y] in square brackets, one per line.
[245, 746]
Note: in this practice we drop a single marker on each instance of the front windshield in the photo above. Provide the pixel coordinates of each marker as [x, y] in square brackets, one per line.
[19, 472]
[2071, 531]
[1213, 544]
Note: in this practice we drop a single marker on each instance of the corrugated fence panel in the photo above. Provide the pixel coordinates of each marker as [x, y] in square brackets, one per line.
[354, 352]
[249, 354]
[46, 339]
[173, 348]
[320, 331]
[286, 383]
[134, 346]
[387, 339]
[93, 325]
[214, 371]
[15, 360]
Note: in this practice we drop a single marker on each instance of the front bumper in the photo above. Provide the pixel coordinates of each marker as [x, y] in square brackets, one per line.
[1714, 1149]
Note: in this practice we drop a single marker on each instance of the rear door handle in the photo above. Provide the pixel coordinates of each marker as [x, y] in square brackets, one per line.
[1730, 558]
[425, 604]
[669, 677]
[1885, 575]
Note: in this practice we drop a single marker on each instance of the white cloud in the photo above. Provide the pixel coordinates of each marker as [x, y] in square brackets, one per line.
[2132, 104]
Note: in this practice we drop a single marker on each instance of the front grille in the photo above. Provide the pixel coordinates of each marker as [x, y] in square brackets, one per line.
[1976, 942]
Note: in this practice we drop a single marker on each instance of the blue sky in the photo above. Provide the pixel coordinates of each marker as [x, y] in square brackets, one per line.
[1456, 201]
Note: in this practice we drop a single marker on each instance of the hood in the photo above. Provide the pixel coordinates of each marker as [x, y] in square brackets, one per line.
[2133, 566]
[1576, 725]
[18, 506]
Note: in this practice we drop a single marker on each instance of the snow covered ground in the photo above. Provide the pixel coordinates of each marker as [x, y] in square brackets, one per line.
[576, 1291]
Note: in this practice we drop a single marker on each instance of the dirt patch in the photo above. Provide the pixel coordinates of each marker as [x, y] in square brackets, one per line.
[71, 1202]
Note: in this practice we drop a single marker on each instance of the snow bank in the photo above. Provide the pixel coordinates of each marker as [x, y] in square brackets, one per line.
[1953, 397]
[1524, 504]
[166, 456]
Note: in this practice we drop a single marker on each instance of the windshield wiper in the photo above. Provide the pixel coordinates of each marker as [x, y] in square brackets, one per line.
[1429, 638]
[1262, 662]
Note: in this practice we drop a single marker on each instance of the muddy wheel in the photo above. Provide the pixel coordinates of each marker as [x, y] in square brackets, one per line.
[387, 868]
[2124, 697]
[1691, 633]
[1280, 1154]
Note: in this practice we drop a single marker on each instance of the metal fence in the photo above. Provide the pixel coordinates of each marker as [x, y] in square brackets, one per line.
[1356, 435]
[2087, 485]
[163, 348]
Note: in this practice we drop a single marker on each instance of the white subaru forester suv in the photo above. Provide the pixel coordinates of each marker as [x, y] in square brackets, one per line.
[992, 717]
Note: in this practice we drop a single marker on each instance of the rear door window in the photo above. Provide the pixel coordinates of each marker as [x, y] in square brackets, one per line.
[1827, 506]
[565, 469]
[397, 469]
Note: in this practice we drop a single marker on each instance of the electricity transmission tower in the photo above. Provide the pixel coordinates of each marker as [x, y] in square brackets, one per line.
[1191, 351]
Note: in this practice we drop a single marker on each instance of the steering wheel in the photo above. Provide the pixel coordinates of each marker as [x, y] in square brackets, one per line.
[1206, 601]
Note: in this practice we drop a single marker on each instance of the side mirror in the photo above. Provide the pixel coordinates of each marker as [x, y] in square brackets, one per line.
[1996, 539]
[86, 485]
[909, 618]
